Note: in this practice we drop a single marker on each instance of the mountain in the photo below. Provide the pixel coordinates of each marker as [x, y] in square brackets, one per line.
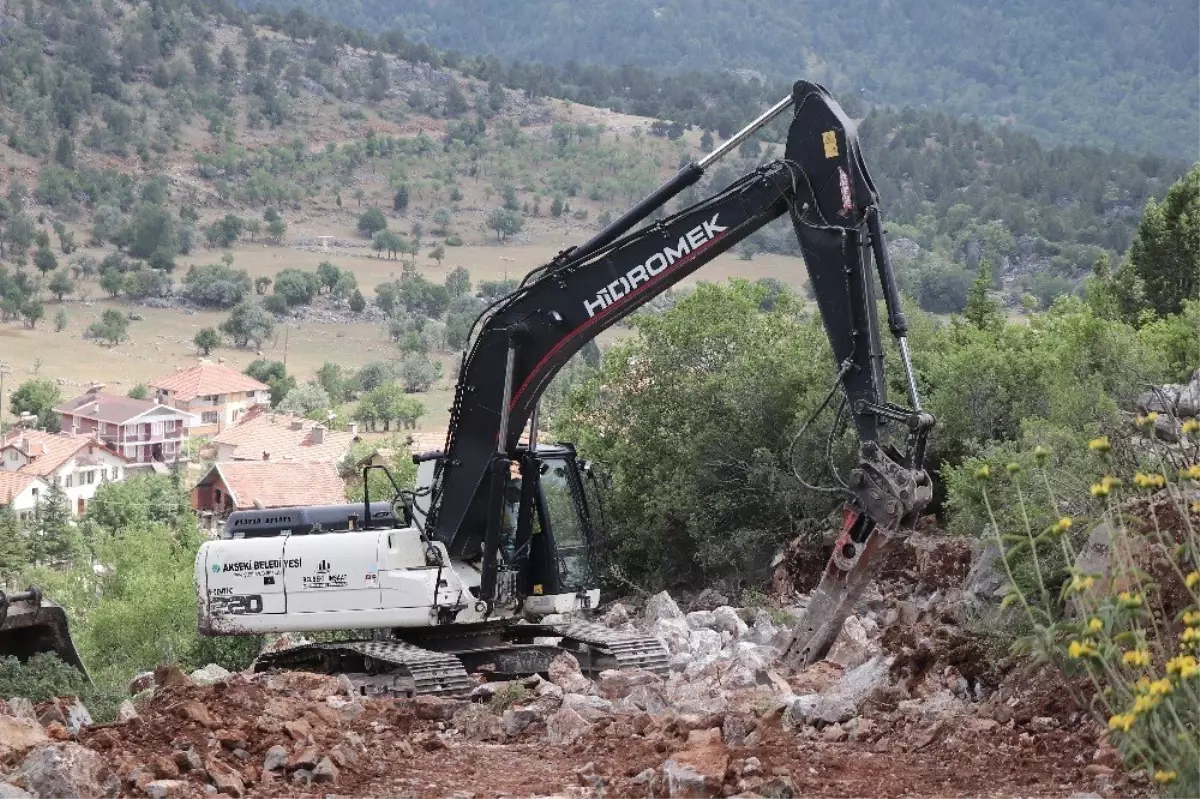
[1098, 72]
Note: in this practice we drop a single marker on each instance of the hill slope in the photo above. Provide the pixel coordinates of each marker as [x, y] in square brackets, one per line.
[1096, 71]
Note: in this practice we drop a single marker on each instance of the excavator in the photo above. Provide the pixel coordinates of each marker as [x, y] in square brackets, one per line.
[489, 564]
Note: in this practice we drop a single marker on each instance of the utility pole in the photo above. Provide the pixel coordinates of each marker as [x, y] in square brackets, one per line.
[5, 369]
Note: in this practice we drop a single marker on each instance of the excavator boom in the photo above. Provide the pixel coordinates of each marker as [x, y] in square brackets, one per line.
[520, 343]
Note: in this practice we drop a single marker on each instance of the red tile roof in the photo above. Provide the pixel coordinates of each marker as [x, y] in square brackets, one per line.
[49, 451]
[277, 436]
[107, 408]
[13, 483]
[204, 379]
[279, 484]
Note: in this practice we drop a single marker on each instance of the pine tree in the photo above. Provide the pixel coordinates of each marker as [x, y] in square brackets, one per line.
[981, 310]
[55, 538]
[14, 546]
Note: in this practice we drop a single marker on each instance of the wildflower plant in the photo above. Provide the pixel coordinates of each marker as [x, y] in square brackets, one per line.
[1131, 631]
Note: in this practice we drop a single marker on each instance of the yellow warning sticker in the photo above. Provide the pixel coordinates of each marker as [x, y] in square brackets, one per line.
[537, 590]
[829, 139]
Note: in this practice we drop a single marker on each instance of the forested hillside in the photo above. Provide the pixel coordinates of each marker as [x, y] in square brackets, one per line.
[1098, 71]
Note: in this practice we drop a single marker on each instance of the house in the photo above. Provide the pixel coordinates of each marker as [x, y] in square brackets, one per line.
[21, 492]
[76, 464]
[144, 431]
[265, 436]
[241, 485]
[220, 396]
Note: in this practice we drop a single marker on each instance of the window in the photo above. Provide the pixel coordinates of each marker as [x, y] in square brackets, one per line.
[210, 417]
[249, 395]
[34, 492]
[70, 480]
[57, 480]
[91, 476]
[116, 473]
[12, 455]
[103, 428]
[156, 429]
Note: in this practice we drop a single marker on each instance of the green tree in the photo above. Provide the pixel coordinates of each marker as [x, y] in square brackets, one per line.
[371, 221]
[15, 551]
[276, 230]
[19, 233]
[458, 282]
[112, 327]
[261, 284]
[33, 311]
[61, 284]
[505, 222]
[358, 303]
[328, 275]
[225, 231]
[403, 470]
[297, 287]
[37, 397]
[417, 372]
[60, 321]
[275, 375]
[1166, 250]
[386, 405]
[207, 339]
[139, 392]
[152, 236]
[44, 260]
[55, 538]
[306, 400]
[112, 281]
[438, 253]
[400, 200]
[981, 310]
[248, 323]
[331, 377]
[64, 151]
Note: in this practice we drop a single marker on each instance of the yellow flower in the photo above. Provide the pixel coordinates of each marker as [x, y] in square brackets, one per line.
[1183, 665]
[1190, 635]
[1191, 473]
[1099, 490]
[1191, 426]
[1079, 649]
[1191, 618]
[1142, 685]
[1061, 526]
[1040, 453]
[1152, 417]
[1161, 687]
[1130, 600]
[1136, 657]
[1144, 703]
[1012, 468]
[1095, 625]
[1081, 582]
[1192, 579]
[1164, 777]
[1100, 445]
[1142, 421]
[1149, 480]
[1122, 722]
[983, 472]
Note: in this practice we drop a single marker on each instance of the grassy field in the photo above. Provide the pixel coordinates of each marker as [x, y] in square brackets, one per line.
[162, 340]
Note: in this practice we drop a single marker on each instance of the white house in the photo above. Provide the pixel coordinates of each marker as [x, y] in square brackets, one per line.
[77, 465]
[21, 492]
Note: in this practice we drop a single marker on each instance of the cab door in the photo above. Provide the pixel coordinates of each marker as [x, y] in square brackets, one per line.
[333, 572]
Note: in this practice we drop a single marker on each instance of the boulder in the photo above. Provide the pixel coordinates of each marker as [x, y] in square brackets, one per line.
[212, 673]
[1163, 399]
[22, 708]
[616, 616]
[325, 772]
[709, 599]
[700, 620]
[436, 708]
[618, 683]
[704, 643]
[591, 708]
[661, 606]
[647, 698]
[566, 674]
[226, 778]
[940, 705]
[565, 727]
[10, 791]
[515, 720]
[763, 631]
[126, 711]
[276, 758]
[860, 683]
[851, 648]
[727, 620]
[198, 713]
[1188, 403]
[19, 734]
[61, 771]
[674, 634]
[817, 710]
[1168, 428]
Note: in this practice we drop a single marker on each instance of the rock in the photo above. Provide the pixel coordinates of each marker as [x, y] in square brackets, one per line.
[169, 676]
[763, 631]
[591, 708]
[198, 713]
[302, 776]
[645, 777]
[19, 734]
[860, 683]
[736, 726]
[515, 720]
[939, 705]
[851, 648]
[10, 791]
[212, 673]
[751, 767]
[276, 758]
[1093, 557]
[60, 771]
[696, 697]
[566, 674]
[709, 599]
[834, 733]
[860, 728]
[227, 779]
[1161, 400]
[819, 710]
[1168, 428]
[325, 772]
[306, 758]
[619, 683]
[659, 607]
[727, 620]
[587, 776]
[189, 759]
[566, 727]
[141, 682]
[616, 616]
[700, 620]
[169, 789]
[778, 787]
[347, 709]
[164, 768]
[1188, 403]
[698, 769]
[704, 643]
[478, 723]
[22, 708]
[674, 634]
[648, 698]
[126, 711]
[301, 730]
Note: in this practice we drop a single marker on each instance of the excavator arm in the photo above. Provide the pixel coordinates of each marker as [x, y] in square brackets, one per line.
[522, 341]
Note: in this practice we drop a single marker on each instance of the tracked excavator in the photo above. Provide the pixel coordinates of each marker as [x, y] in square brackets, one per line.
[473, 568]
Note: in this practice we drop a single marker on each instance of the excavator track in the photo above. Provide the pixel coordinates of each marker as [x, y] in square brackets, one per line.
[629, 651]
[431, 673]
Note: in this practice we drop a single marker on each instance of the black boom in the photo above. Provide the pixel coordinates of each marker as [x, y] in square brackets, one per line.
[520, 343]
